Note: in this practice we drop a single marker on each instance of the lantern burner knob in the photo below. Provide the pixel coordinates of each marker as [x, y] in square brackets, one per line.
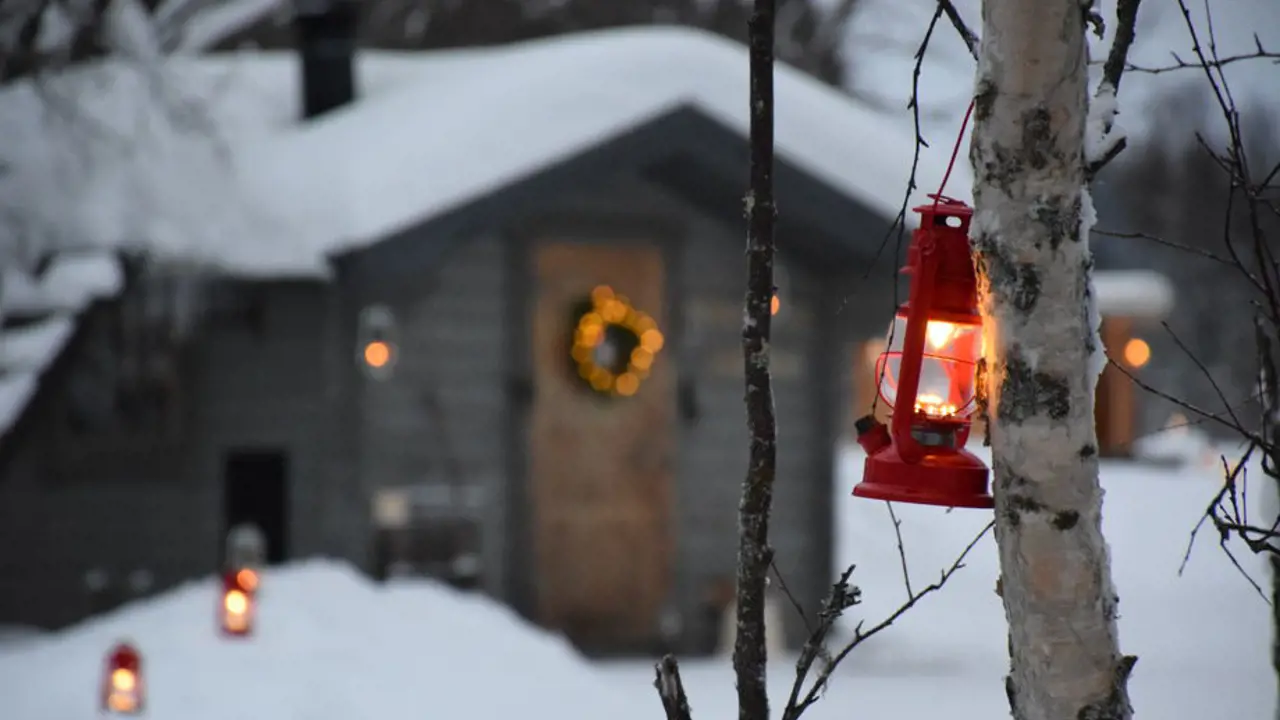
[873, 435]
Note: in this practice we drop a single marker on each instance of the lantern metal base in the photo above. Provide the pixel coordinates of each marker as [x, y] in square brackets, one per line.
[955, 478]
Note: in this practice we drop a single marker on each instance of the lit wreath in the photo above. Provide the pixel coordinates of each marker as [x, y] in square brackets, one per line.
[614, 344]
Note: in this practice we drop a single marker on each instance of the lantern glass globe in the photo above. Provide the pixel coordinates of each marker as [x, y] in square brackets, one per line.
[947, 369]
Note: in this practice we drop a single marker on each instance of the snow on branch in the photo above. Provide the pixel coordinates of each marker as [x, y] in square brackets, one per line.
[1104, 139]
[40, 36]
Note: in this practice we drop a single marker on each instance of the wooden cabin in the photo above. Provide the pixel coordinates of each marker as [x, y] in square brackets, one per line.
[493, 336]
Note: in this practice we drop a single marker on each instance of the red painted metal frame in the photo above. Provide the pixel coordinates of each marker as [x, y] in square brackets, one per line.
[943, 286]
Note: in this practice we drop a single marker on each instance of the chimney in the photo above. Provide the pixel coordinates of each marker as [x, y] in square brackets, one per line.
[326, 34]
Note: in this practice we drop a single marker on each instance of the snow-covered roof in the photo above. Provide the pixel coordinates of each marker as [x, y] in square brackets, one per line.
[68, 285]
[1133, 293]
[253, 189]
[478, 120]
[66, 288]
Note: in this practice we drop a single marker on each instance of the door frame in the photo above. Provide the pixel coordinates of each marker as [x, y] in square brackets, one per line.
[668, 232]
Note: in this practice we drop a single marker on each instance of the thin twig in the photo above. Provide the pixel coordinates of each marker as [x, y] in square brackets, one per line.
[796, 707]
[670, 687]
[902, 549]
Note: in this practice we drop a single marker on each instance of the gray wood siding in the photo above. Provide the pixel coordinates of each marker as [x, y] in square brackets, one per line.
[713, 451]
[271, 388]
[451, 343]
[161, 510]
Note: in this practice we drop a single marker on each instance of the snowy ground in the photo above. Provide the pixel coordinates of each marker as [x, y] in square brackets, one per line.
[335, 647]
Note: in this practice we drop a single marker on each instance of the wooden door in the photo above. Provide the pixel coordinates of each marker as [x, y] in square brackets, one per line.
[600, 468]
[1114, 397]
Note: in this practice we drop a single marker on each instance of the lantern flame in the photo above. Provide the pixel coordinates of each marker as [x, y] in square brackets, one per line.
[122, 696]
[235, 603]
[934, 406]
[940, 333]
[123, 680]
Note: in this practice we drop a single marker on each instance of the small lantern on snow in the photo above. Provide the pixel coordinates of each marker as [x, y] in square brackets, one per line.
[928, 373]
[239, 597]
[123, 691]
[241, 578]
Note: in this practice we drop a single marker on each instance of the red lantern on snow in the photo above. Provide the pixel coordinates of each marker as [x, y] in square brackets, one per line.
[239, 598]
[123, 692]
[928, 373]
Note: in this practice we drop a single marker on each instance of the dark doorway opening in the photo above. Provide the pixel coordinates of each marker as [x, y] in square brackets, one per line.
[256, 490]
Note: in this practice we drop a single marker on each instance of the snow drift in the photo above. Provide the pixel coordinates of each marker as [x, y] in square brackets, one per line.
[330, 644]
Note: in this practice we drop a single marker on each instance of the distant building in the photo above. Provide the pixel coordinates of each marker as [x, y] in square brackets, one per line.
[389, 375]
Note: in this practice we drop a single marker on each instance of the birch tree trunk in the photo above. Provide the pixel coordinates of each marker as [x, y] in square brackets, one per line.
[1030, 231]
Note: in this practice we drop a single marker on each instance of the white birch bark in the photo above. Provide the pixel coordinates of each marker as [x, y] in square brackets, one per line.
[1030, 231]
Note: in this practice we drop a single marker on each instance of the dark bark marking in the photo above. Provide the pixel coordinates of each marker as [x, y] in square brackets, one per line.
[1022, 503]
[1017, 282]
[1088, 450]
[984, 100]
[1116, 705]
[1011, 692]
[1026, 393]
[1066, 519]
[1111, 607]
[1018, 504]
[1037, 137]
[1061, 223]
[1090, 340]
[999, 167]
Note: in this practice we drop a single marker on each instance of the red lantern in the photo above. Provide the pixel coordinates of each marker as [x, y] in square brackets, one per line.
[239, 598]
[928, 374]
[123, 692]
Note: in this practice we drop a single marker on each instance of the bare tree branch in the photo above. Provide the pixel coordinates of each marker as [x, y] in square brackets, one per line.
[844, 596]
[1179, 64]
[967, 35]
[750, 658]
[670, 689]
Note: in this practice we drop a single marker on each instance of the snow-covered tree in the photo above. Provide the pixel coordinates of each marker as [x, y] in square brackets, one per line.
[106, 151]
[1030, 231]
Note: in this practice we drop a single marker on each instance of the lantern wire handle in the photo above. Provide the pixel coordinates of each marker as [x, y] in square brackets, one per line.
[955, 151]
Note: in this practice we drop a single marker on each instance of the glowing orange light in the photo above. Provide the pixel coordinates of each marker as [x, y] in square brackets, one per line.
[236, 602]
[627, 384]
[123, 680]
[1137, 352]
[601, 294]
[642, 359]
[122, 702]
[651, 340]
[934, 405]
[774, 305]
[247, 579]
[940, 333]
[377, 354]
